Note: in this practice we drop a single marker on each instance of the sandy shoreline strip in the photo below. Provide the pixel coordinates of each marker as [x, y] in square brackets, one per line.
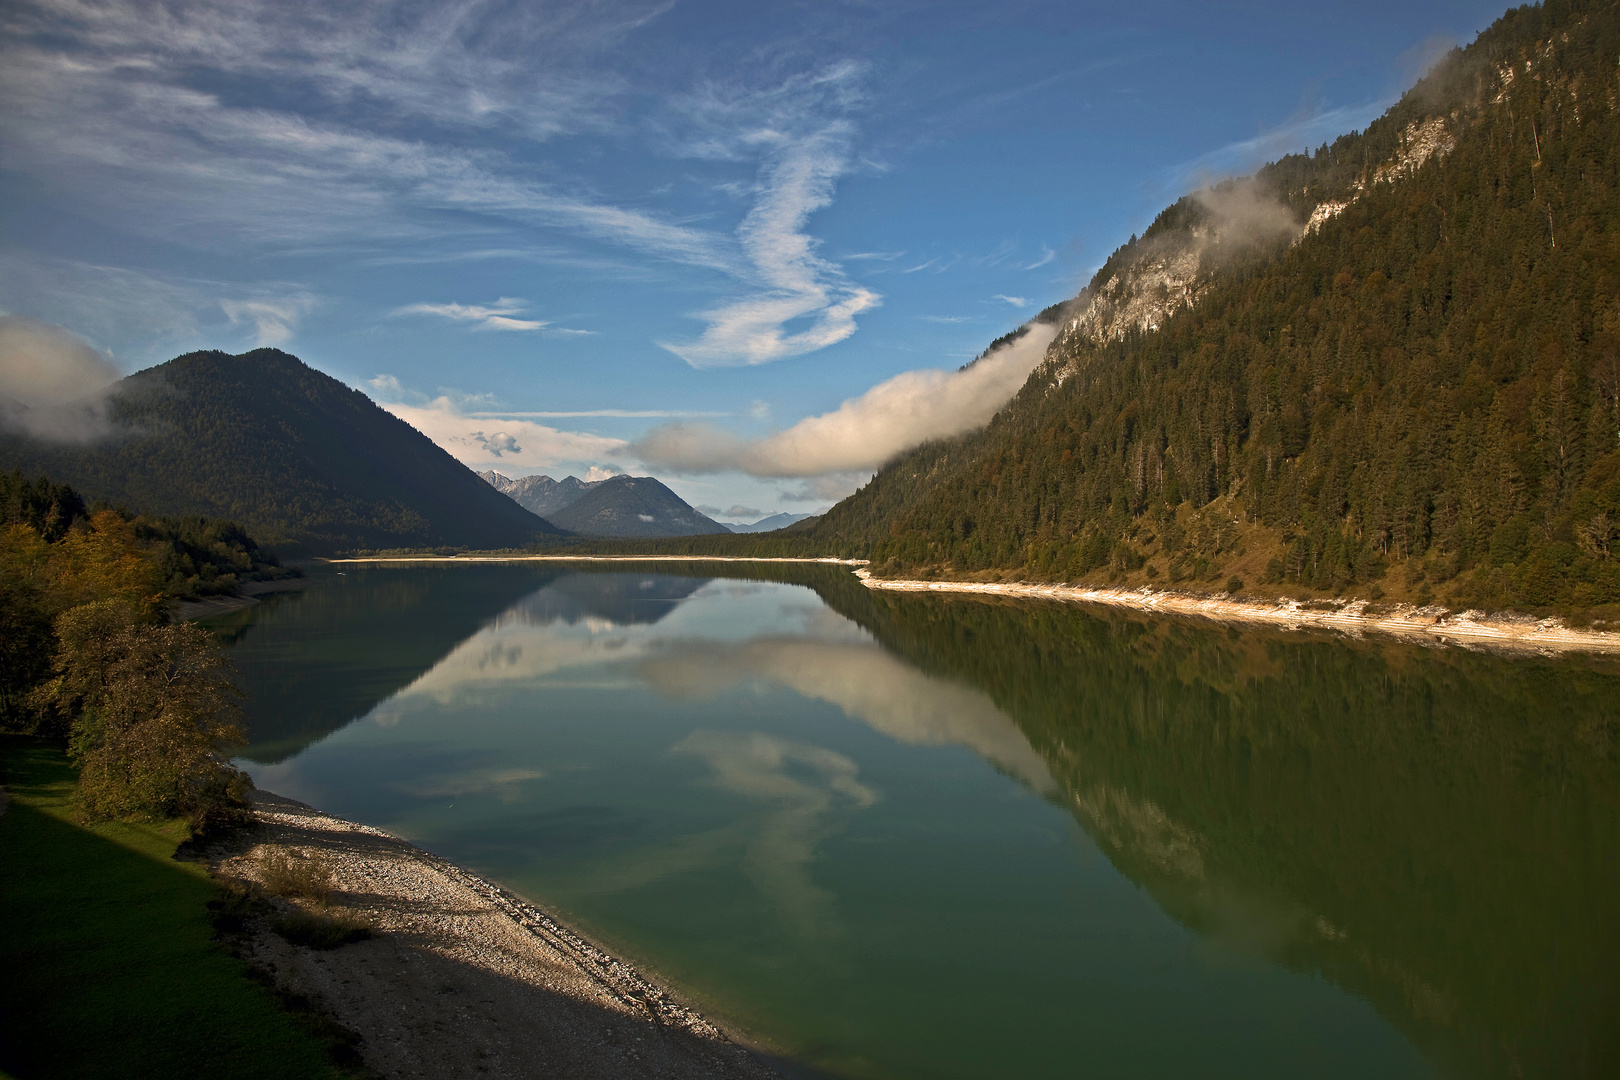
[462, 978]
[1433, 624]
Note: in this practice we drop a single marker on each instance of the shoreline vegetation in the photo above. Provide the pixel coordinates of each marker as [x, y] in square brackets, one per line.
[111, 967]
[119, 713]
[1505, 631]
[322, 944]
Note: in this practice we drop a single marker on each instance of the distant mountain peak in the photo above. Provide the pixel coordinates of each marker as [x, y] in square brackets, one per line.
[620, 506]
[767, 524]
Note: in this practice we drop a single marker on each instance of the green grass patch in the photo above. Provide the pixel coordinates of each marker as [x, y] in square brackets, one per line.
[110, 967]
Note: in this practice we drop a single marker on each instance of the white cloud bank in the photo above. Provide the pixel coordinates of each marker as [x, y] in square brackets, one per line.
[484, 441]
[864, 432]
[53, 385]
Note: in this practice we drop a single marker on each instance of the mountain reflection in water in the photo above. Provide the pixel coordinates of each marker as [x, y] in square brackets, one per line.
[1434, 830]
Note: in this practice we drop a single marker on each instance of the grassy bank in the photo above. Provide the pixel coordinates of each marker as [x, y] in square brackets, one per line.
[110, 967]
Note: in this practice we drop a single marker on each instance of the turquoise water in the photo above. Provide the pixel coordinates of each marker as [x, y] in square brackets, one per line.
[910, 837]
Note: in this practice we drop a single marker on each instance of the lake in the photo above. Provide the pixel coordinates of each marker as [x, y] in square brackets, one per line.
[895, 835]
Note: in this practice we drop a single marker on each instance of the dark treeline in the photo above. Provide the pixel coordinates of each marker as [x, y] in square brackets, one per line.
[1430, 381]
[193, 556]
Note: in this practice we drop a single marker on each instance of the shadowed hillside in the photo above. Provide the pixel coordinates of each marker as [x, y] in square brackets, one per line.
[302, 461]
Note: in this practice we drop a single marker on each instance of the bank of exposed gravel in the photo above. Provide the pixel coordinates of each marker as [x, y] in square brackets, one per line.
[1504, 631]
[463, 979]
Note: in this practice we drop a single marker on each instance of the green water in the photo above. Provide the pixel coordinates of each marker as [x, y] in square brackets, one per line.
[905, 836]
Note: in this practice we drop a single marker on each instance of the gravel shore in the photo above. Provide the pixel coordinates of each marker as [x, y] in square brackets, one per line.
[460, 977]
[1501, 632]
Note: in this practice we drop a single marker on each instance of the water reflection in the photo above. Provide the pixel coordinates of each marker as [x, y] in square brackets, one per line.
[1436, 832]
[1434, 829]
[798, 812]
[316, 660]
[866, 682]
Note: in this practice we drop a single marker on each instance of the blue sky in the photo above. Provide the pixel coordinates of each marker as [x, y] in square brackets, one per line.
[558, 236]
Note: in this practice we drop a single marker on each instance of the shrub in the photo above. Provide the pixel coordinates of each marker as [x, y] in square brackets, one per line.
[286, 872]
[151, 708]
[323, 930]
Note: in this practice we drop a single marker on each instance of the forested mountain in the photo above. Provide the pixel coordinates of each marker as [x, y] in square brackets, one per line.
[300, 460]
[633, 506]
[1391, 365]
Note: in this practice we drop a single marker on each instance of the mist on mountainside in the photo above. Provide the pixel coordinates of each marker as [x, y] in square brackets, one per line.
[53, 385]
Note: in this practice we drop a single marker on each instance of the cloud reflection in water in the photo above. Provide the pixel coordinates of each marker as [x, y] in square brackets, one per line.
[800, 792]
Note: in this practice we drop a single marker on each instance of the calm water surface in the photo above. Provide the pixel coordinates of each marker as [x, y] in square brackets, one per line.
[906, 836]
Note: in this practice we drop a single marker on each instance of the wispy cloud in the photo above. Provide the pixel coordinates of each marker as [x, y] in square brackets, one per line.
[1301, 131]
[805, 142]
[274, 321]
[870, 256]
[501, 315]
[383, 117]
[1047, 255]
[1015, 301]
[143, 314]
[103, 98]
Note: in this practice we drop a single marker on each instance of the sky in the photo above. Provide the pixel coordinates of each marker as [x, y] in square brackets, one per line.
[742, 247]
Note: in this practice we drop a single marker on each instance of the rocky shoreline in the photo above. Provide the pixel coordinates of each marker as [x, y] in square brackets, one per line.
[459, 977]
[1500, 631]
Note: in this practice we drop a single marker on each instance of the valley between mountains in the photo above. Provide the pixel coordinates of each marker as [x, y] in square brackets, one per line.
[1387, 370]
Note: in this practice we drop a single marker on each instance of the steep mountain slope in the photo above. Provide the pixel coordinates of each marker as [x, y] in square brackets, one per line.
[633, 506]
[539, 494]
[299, 459]
[1400, 352]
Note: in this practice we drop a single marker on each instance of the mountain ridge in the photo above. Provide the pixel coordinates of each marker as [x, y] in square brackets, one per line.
[633, 507]
[767, 524]
[622, 506]
[307, 464]
[539, 495]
